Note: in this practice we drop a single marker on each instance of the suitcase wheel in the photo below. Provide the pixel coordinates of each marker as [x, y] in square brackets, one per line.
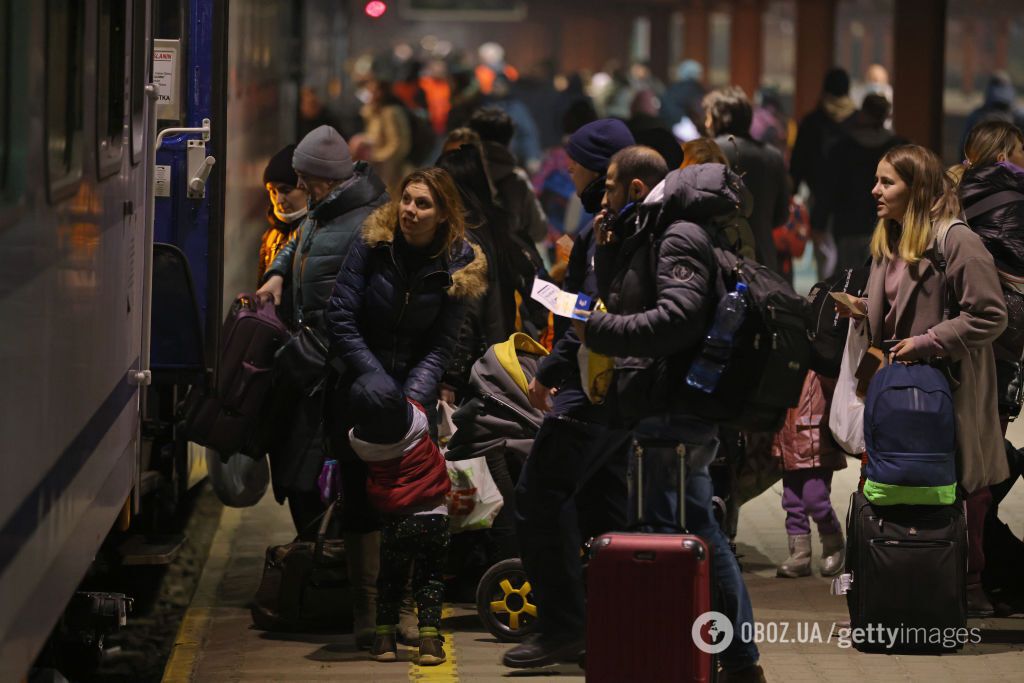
[504, 601]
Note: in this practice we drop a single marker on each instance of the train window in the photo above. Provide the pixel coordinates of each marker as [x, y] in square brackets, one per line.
[110, 71]
[65, 56]
[140, 60]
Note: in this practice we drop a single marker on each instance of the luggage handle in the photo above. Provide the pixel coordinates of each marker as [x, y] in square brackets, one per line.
[638, 455]
[321, 533]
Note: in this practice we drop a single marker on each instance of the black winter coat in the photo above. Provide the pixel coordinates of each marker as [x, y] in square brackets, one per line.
[662, 291]
[383, 319]
[764, 173]
[1001, 228]
[313, 256]
[844, 199]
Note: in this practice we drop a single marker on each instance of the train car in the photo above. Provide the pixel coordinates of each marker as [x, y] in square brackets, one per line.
[113, 267]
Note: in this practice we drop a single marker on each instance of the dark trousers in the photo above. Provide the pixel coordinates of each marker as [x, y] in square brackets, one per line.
[418, 543]
[573, 451]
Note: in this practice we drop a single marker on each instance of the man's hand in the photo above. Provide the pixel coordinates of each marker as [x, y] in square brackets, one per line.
[271, 290]
[539, 395]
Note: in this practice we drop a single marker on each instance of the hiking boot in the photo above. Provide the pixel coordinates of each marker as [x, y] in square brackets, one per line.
[431, 651]
[537, 650]
[978, 604]
[384, 648]
[748, 674]
[833, 554]
[799, 561]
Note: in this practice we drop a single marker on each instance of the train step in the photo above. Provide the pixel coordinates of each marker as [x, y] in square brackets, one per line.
[150, 549]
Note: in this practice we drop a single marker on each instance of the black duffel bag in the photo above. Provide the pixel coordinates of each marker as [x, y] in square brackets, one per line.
[305, 586]
[827, 331]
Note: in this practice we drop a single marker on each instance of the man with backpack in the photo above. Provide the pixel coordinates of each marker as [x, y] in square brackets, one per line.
[659, 276]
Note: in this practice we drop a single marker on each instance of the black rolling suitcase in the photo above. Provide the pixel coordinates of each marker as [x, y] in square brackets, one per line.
[906, 569]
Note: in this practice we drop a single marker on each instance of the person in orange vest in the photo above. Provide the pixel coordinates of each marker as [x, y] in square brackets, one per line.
[492, 63]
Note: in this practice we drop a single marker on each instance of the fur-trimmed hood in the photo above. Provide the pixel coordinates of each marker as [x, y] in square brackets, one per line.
[466, 263]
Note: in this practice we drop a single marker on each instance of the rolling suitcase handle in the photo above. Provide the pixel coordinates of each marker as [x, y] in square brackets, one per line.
[638, 457]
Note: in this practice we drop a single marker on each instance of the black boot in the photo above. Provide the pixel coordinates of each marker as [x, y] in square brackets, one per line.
[538, 650]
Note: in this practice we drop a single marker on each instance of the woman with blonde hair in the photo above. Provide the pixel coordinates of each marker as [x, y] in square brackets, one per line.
[940, 301]
[396, 309]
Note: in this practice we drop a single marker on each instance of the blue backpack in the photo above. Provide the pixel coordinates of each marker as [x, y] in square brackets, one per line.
[910, 435]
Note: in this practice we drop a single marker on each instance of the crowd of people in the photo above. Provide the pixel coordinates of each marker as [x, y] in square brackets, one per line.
[409, 246]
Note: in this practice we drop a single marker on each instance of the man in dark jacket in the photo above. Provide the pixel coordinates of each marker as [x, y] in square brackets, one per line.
[728, 118]
[574, 445]
[844, 206]
[496, 129]
[341, 196]
[660, 300]
[817, 133]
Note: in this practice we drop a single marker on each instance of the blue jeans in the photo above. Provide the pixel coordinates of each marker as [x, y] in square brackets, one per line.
[661, 466]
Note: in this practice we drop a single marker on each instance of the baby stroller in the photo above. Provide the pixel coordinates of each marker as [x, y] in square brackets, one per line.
[499, 424]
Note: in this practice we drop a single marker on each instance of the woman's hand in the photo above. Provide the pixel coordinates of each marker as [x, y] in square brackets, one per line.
[271, 290]
[853, 307]
[906, 350]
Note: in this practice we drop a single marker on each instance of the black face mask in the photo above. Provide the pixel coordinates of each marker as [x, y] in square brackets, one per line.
[592, 195]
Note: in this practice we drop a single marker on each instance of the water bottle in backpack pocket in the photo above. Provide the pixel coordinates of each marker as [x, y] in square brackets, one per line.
[707, 368]
[910, 435]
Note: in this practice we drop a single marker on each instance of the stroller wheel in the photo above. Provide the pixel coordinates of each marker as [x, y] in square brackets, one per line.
[504, 601]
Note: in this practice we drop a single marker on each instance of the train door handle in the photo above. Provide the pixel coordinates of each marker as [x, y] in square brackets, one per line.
[199, 167]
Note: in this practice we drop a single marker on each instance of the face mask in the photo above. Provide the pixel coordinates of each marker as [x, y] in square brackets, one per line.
[290, 217]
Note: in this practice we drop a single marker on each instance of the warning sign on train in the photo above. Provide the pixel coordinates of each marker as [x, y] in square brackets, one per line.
[165, 77]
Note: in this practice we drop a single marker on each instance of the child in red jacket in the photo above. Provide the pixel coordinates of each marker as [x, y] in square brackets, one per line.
[407, 482]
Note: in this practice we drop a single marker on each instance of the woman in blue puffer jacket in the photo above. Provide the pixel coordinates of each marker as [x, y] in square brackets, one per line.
[397, 307]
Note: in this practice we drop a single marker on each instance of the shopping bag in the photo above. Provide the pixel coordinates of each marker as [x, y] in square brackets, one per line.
[846, 419]
[239, 481]
[474, 500]
[445, 423]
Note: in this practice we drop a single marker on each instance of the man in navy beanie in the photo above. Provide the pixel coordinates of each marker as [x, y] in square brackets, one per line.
[574, 482]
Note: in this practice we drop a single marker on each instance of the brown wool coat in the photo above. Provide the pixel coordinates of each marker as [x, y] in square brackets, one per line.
[966, 339]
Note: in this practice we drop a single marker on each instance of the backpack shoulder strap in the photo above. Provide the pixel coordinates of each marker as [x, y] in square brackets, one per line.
[991, 202]
[940, 240]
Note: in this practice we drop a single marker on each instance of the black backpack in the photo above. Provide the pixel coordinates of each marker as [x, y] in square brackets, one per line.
[826, 330]
[765, 372]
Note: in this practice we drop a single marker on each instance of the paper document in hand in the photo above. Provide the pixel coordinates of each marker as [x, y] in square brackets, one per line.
[558, 302]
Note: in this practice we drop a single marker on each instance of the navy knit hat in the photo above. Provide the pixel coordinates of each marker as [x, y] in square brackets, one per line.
[279, 168]
[379, 409]
[593, 145]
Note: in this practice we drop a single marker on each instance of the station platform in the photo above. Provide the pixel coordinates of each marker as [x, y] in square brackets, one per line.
[217, 643]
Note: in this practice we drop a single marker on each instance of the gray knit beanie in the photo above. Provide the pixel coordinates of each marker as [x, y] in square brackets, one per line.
[323, 153]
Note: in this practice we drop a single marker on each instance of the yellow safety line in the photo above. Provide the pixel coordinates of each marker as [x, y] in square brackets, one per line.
[195, 625]
[448, 671]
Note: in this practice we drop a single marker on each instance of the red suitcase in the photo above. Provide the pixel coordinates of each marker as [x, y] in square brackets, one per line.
[644, 593]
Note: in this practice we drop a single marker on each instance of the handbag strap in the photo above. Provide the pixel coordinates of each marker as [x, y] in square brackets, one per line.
[321, 534]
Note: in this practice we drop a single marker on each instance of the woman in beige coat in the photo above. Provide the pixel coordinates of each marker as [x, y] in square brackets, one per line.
[388, 134]
[908, 295]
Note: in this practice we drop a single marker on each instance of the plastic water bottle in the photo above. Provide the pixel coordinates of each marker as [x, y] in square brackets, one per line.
[706, 370]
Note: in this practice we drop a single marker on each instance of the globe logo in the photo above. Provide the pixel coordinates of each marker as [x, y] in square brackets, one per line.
[712, 632]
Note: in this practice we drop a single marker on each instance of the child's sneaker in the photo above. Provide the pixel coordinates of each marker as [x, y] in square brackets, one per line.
[431, 651]
[384, 649]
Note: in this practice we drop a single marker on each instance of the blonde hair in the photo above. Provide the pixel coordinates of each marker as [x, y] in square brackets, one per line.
[932, 198]
[446, 197]
[987, 141]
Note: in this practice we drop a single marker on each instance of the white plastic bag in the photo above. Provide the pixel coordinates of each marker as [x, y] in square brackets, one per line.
[445, 422]
[240, 481]
[474, 500]
[846, 419]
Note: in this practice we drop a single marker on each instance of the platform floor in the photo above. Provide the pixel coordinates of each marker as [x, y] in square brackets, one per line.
[217, 643]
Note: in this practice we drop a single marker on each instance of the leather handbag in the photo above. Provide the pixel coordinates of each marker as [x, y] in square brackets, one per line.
[302, 360]
[305, 585]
